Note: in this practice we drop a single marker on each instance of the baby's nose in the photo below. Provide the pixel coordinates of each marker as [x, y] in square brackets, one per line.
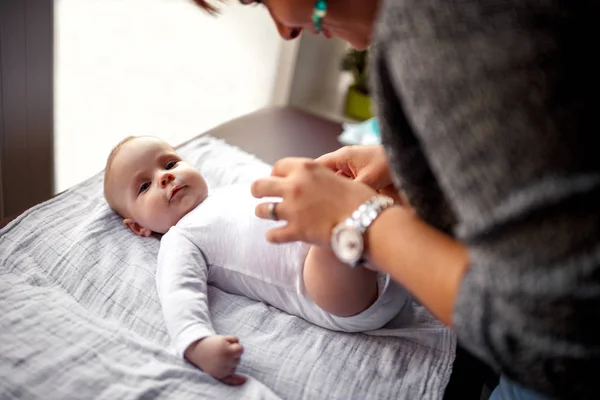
[166, 178]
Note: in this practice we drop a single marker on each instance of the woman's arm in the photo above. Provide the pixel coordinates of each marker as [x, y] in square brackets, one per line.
[429, 263]
[500, 97]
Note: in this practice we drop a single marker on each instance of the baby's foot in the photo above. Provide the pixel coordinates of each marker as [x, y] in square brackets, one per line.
[218, 356]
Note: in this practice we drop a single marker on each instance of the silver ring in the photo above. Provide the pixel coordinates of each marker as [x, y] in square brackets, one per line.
[272, 214]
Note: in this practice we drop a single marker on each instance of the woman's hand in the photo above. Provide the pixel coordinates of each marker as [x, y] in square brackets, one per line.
[366, 164]
[314, 200]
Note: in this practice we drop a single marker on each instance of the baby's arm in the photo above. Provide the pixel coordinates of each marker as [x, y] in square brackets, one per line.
[181, 280]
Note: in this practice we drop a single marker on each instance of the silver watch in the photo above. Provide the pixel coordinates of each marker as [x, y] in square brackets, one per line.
[347, 237]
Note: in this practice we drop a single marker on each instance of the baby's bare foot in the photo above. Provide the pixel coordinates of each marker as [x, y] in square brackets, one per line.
[218, 356]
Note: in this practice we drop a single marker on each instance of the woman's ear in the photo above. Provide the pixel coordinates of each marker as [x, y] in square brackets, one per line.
[137, 228]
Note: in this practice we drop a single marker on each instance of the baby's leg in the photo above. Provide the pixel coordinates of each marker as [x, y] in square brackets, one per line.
[337, 288]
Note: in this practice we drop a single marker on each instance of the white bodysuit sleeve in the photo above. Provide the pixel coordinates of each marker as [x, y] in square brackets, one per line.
[181, 280]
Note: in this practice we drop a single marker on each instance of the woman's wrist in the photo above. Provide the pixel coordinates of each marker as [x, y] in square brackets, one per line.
[429, 263]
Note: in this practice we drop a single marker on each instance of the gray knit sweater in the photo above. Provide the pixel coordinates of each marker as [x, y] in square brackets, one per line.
[488, 115]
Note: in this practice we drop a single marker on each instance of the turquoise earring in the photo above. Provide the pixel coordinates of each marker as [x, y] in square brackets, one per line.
[319, 13]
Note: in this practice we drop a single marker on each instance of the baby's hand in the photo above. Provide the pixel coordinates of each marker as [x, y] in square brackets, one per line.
[218, 356]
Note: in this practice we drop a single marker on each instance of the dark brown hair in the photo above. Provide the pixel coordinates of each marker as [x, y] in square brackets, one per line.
[207, 6]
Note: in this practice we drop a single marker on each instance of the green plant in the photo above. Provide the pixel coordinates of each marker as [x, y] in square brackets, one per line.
[356, 62]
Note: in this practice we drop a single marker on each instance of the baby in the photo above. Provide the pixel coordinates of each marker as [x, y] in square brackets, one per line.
[215, 238]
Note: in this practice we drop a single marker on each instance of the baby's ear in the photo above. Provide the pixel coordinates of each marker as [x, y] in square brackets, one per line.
[137, 228]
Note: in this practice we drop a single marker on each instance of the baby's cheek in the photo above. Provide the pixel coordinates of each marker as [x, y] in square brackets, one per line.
[154, 213]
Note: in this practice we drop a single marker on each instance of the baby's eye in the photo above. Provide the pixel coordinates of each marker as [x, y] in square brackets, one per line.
[171, 164]
[143, 187]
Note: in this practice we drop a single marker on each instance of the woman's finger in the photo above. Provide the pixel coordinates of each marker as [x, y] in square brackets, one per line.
[342, 174]
[285, 234]
[391, 191]
[334, 158]
[263, 211]
[329, 160]
[284, 166]
[268, 187]
[338, 160]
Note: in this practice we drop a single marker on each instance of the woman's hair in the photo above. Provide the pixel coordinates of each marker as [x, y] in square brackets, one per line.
[206, 5]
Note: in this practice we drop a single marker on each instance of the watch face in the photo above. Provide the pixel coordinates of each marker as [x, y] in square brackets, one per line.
[347, 244]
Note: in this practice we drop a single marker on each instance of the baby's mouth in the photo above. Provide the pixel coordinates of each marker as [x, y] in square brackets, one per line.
[175, 190]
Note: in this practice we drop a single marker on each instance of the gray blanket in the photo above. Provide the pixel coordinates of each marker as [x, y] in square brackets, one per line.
[80, 318]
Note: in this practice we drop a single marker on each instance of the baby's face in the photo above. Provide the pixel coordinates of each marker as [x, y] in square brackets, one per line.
[152, 186]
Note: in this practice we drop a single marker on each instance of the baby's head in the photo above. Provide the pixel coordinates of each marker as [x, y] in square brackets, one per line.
[150, 186]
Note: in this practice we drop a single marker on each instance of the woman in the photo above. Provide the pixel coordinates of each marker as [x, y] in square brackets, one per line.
[486, 116]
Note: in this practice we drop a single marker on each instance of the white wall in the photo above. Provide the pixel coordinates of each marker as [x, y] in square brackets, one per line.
[159, 67]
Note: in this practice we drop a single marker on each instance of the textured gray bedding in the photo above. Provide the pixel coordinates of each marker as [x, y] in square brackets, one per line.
[80, 318]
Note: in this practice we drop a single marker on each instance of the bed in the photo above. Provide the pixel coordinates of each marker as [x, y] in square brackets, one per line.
[80, 318]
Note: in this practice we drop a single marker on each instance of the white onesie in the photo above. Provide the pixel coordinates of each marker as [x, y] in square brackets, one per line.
[222, 243]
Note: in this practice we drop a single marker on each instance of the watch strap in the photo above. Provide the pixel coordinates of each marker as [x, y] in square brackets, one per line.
[364, 216]
[367, 212]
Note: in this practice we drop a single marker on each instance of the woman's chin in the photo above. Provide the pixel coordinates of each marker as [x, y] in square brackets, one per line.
[357, 42]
